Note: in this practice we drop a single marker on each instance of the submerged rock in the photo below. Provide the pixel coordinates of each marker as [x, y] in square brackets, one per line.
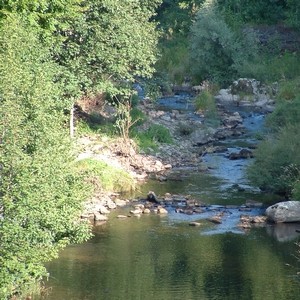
[284, 212]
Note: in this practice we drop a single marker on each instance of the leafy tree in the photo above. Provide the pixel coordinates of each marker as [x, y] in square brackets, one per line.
[40, 197]
[111, 44]
[293, 13]
[258, 11]
[216, 52]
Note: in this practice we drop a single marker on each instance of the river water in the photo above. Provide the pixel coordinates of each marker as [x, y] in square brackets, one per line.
[163, 258]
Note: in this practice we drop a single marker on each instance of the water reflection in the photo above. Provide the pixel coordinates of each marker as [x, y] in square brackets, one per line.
[157, 258]
[284, 232]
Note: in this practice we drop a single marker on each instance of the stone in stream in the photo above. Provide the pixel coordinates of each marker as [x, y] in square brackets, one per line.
[194, 224]
[243, 154]
[151, 197]
[284, 212]
[161, 210]
[216, 219]
[122, 217]
[100, 217]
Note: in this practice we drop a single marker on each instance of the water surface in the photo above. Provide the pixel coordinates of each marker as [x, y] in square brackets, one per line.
[155, 257]
[163, 258]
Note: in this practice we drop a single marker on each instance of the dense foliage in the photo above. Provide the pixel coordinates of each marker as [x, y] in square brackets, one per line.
[51, 53]
[40, 196]
[277, 164]
[221, 40]
[216, 51]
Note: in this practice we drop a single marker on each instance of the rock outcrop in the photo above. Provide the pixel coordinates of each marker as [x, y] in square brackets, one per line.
[284, 212]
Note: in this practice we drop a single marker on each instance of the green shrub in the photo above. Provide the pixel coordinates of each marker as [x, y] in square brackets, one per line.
[174, 60]
[269, 67]
[84, 127]
[289, 89]
[286, 113]
[106, 177]
[151, 137]
[216, 52]
[184, 129]
[277, 164]
[205, 101]
[137, 116]
[40, 195]
[159, 133]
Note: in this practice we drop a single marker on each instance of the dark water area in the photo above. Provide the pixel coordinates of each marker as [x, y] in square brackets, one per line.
[161, 257]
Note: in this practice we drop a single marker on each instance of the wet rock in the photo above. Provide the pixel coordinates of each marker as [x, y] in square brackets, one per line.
[252, 204]
[102, 209]
[194, 224]
[216, 219]
[242, 154]
[232, 120]
[151, 197]
[122, 216]
[100, 217]
[248, 92]
[146, 211]
[111, 205]
[284, 212]
[162, 210]
[120, 202]
[197, 210]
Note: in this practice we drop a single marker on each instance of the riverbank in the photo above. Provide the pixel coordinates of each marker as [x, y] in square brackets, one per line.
[193, 137]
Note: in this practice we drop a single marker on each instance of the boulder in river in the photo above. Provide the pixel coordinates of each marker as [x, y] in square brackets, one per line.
[284, 212]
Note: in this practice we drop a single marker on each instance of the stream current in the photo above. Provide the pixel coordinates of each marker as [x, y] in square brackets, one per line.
[162, 258]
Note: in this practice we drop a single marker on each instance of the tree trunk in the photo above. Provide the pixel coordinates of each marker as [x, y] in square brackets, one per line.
[72, 121]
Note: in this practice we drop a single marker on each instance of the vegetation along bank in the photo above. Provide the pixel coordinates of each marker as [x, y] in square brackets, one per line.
[60, 58]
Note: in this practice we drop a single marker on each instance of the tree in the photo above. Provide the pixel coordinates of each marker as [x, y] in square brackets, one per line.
[111, 44]
[40, 197]
[216, 52]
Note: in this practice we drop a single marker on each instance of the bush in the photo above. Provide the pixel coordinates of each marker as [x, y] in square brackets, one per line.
[137, 116]
[289, 89]
[174, 59]
[40, 194]
[151, 137]
[159, 133]
[277, 163]
[286, 113]
[105, 177]
[205, 102]
[269, 67]
[216, 52]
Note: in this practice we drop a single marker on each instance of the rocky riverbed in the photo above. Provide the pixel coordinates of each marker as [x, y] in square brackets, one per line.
[193, 139]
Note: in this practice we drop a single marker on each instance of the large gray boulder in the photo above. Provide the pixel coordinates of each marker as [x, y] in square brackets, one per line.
[284, 212]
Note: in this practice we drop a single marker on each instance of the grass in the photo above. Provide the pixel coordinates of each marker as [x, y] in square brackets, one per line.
[205, 102]
[106, 177]
[152, 137]
[269, 68]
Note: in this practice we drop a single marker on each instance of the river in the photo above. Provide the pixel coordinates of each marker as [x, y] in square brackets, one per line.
[161, 257]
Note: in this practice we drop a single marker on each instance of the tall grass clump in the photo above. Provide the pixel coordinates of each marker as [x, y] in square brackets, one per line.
[105, 177]
[206, 104]
[150, 139]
